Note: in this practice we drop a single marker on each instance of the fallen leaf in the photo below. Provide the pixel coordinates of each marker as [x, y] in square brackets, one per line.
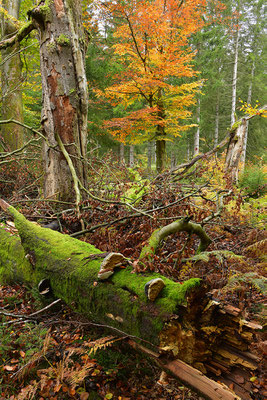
[9, 367]
[84, 395]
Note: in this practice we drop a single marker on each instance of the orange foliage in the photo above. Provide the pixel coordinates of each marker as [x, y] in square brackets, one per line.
[253, 110]
[157, 73]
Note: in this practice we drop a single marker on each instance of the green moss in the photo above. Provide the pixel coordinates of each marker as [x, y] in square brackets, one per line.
[13, 264]
[120, 301]
[23, 28]
[235, 125]
[63, 40]
[51, 47]
[153, 243]
[45, 11]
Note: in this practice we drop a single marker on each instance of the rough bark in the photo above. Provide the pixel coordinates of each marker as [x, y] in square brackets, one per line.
[181, 323]
[62, 47]
[11, 79]
[235, 148]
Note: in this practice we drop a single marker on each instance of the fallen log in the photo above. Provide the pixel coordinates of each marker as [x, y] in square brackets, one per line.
[181, 323]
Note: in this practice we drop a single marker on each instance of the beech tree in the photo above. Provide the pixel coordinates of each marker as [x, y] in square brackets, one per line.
[155, 85]
[64, 113]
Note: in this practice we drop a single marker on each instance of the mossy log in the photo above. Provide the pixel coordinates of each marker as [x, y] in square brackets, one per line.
[182, 322]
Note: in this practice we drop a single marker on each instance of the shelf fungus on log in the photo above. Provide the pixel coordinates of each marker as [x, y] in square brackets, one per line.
[153, 288]
[203, 336]
[110, 262]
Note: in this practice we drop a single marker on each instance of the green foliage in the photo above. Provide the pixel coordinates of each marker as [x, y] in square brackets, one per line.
[30, 337]
[138, 188]
[250, 279]
[254, 181]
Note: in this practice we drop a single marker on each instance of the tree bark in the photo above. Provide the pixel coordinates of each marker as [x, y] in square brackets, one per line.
[161, 156]
[235, 77]
[196, 138]
[235, 148]
[150, 148]
[62, 48]
[181, 225]
[244, 151]
[131, 155]
[11, 80]
[217, 114]
[122, 156]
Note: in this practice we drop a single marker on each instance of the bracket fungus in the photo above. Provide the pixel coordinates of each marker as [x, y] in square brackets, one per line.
[110, 262]
[153, 288]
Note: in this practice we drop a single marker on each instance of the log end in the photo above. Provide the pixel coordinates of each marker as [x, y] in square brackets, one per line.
[4, 205]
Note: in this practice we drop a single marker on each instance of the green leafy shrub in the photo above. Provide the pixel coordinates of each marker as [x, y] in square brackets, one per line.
[254, 181]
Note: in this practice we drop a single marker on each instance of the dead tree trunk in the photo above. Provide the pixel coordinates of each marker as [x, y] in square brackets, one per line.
[62, 46]
[235, 148]
[64, 113]
[181, 323]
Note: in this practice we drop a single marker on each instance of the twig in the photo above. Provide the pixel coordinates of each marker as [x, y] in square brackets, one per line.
[30, 316]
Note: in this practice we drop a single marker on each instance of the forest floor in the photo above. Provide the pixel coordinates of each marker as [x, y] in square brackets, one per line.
[57, 355]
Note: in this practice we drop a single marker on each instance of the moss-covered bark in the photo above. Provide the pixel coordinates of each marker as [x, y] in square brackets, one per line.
[181, 225]
[66, 262]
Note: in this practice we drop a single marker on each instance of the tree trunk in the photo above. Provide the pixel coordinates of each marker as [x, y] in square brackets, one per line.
[235, 148]
[196, 139]
[62, 48]
[173, 160]
[122, 156]
[160, 135]
[160, 155]
[216, 133]
[243, 155]
[235, 78]
[11, 80]
[182, 322]
[150, 148]
[131, 155]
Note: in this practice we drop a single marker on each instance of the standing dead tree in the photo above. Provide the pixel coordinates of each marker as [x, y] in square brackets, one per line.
[64, 113]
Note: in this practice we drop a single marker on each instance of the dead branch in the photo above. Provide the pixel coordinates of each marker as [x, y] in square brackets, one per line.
[24, 31]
